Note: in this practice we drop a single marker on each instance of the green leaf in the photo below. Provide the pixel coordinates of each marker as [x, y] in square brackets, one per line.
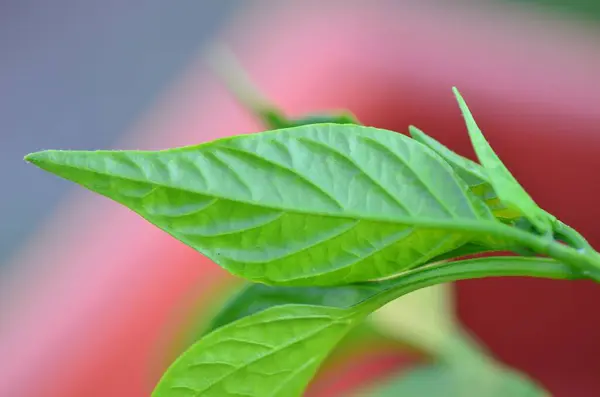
[275, 352]
[421, 318]
[255, 298]
[504, 183]
[271, 353]
[322, 204]
[469, 171]
[447, 381]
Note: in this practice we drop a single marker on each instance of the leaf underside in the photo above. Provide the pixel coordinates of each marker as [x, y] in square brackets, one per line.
[321, 204]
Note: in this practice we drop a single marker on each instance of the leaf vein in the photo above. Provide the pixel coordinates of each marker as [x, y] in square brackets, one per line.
[372, 142]
[324, 240]
[267, 355]
[286, 169]
[360, 169]
[275, 218]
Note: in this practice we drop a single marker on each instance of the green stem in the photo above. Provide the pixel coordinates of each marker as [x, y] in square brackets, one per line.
[507, 266]
[462, 349]
[571, 236]
[587, 261]
[225, 64]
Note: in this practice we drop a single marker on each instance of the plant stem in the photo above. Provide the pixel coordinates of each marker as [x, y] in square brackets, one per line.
[571, 236]
[470, 269]
[225, 64]
[585, 260]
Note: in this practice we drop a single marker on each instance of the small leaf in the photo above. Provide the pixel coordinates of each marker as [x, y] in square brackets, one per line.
[447, 381]
[275, 352]
[272, 353]
[505, 185]
[322, 204]
[470, 172]
[478, 181]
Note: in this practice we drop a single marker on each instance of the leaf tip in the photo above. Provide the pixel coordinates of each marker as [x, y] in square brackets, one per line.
[415, 132]
[42, 159]
[459, 98]
[36, 157]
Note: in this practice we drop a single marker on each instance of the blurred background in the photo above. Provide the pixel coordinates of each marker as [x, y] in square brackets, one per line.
[96, 302]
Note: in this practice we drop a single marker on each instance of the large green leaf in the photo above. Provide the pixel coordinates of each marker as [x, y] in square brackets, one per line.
[448, 381]
[275, 352]
[504, 183]
[319, 204]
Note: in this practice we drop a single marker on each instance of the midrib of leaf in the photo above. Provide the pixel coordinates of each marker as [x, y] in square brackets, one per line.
[464, 225]
[460, 224]
[480, 225]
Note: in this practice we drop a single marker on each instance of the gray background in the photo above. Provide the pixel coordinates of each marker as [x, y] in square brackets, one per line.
[76, 74]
